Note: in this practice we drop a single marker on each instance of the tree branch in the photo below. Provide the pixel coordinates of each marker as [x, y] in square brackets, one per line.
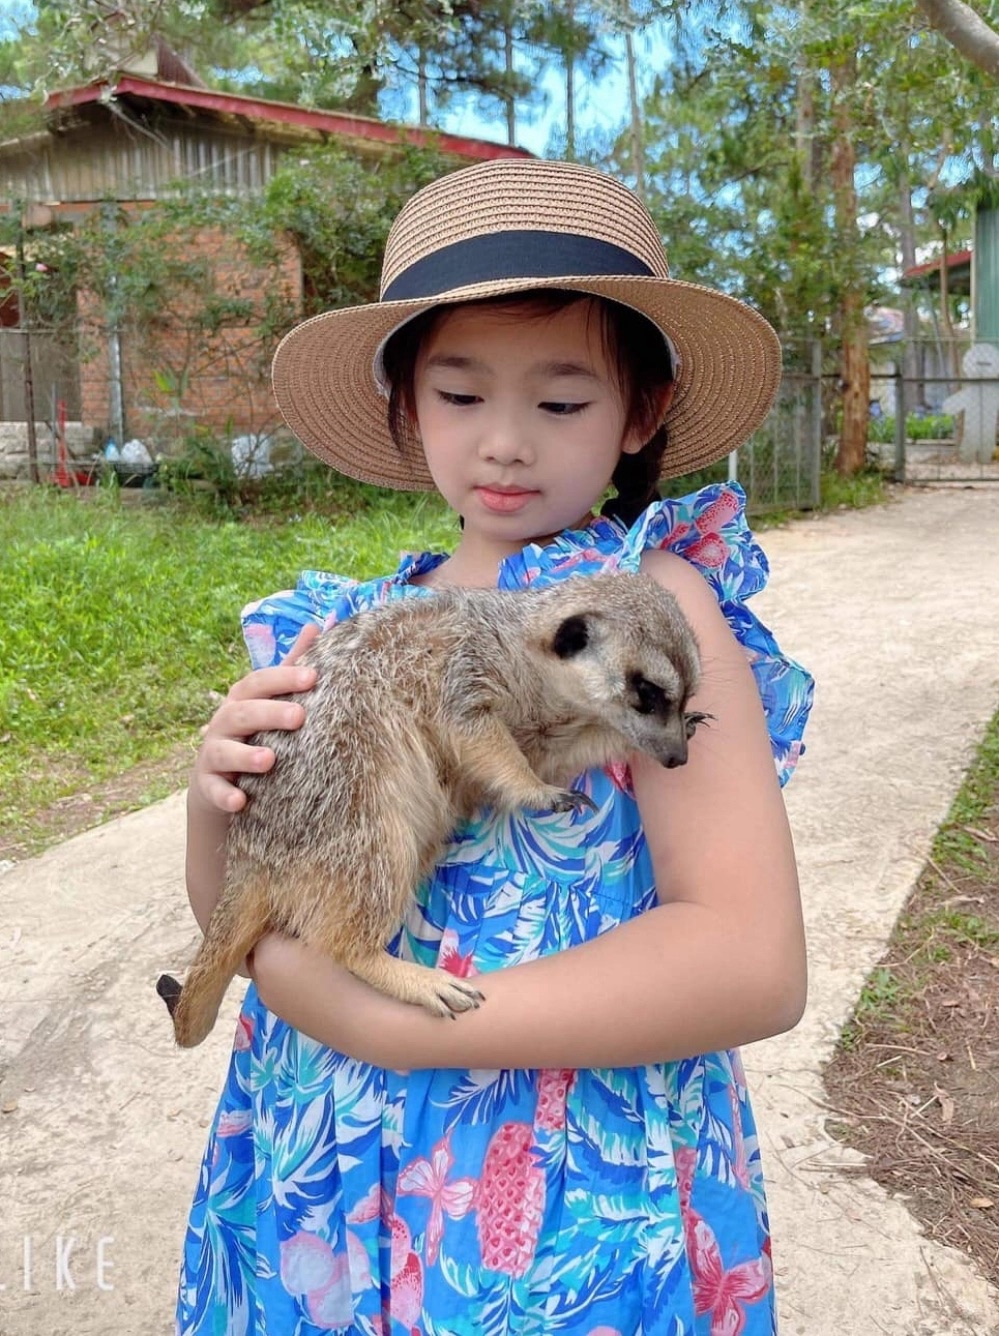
[966, 31]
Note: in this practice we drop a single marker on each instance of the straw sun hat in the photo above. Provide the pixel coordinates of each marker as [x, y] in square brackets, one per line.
[507, 226]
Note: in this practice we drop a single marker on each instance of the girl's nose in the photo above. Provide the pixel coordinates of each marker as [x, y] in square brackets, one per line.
[505, 441]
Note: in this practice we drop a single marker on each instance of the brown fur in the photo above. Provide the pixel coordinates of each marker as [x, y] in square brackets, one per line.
[423, 711]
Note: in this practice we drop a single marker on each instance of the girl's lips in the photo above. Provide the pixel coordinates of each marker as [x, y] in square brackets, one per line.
[502, 501]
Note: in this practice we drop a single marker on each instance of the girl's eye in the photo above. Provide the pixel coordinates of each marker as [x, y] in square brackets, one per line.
[459, 400]
[563, 409]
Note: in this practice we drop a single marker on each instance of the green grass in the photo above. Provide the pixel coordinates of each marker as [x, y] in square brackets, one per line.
[930, 937]
[120, 611]
[120, 619]
[866, 488]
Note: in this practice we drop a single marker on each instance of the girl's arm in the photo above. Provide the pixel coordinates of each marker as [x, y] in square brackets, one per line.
[719, 963]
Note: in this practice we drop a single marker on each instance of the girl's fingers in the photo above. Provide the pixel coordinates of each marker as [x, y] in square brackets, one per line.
[227, 756]
[238, 719]
[267, 682]
[216, 791]
[306, 637]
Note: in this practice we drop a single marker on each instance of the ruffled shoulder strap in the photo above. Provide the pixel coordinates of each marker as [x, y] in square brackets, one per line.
[709, 529]
[272, 625]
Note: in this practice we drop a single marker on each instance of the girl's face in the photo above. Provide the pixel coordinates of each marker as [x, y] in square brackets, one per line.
[521, 419]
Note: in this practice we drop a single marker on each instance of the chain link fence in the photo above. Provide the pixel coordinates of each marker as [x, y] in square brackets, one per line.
[935, 412]
[779, 467]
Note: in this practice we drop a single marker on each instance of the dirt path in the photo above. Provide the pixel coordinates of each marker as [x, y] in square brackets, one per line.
[103, 1122]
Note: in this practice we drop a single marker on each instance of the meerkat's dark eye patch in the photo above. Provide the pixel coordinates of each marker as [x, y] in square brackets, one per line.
[571, 637]
[649, 698]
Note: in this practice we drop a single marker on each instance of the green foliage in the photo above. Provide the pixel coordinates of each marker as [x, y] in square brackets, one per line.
[931, 427]
[339, 209]
[739, 135]
[866, 488]
[121, 619]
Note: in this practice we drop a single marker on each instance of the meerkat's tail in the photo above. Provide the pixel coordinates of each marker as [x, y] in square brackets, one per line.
[239, 920]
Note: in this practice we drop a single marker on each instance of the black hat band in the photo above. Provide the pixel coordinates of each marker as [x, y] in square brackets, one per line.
[501, 256]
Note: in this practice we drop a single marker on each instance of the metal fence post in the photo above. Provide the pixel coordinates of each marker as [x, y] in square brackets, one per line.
[901, 426]
[815, 469]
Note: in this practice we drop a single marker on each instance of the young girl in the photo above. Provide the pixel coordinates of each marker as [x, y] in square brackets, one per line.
[578, 1155]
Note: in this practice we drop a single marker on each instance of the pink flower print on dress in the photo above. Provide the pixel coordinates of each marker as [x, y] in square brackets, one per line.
[718, 514]
[510, 1201]
[723, 1294]
[260, 642]
[619, 773]
[428, 1178]
[685, 1161]
[707, 551]
[554, 1084]
[585, 555]
[448, 958]
[368, 1207]
[332, 1306]
[232, 1122]
[244, 1034]
[311, 1270]
[407, 1294]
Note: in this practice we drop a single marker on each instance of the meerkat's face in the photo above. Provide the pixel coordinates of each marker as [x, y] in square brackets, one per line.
[634, 668]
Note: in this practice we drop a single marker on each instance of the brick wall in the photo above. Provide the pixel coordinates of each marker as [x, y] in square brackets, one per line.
[175, 373]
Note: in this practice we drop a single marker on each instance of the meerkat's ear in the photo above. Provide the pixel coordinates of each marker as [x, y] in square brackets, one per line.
[571, 637]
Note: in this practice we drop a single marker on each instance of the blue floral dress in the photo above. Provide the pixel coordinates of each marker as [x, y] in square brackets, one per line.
[339, 1197]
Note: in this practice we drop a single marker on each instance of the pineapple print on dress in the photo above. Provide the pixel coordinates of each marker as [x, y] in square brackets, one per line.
[554, 1084]
[510, 1201]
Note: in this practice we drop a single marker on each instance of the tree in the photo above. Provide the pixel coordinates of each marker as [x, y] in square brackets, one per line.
[966, 31]
[790, 154]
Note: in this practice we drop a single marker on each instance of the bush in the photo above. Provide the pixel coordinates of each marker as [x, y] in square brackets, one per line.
[930, 427]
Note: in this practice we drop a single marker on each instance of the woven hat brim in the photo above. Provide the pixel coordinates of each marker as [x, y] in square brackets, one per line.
[730, 368]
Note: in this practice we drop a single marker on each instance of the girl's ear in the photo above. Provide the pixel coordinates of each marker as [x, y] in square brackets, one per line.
[638, 438]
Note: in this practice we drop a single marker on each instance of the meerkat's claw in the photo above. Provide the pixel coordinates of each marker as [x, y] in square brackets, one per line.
[571, 800]
[692, 719]
[453, 996]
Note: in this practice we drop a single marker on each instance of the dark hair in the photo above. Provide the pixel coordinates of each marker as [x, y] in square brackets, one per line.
[634, 347]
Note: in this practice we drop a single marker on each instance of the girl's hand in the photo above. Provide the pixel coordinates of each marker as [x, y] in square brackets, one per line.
[249, 708]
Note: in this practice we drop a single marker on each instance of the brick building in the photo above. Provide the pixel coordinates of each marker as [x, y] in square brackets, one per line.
[120, 144]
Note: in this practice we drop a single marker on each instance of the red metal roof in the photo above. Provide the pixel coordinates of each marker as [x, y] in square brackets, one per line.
[955, 260]
[258, 109]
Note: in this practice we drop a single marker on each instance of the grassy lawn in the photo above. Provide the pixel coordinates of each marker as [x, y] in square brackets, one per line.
[120, 618]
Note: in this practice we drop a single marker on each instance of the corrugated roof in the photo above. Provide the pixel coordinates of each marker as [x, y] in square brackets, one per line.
[255, 109]
[954, 261]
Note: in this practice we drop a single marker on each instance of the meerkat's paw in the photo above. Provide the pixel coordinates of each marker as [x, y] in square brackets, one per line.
[449, 996]
[440, 993]
[568, 800]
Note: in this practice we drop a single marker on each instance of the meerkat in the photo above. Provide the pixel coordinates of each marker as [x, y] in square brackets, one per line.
[425, 710]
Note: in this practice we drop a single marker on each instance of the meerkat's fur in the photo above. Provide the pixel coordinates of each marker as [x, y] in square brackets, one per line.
[423, 711]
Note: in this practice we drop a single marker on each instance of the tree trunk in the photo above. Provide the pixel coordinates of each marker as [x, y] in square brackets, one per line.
[637, 148]
[570, 80]
[29, 379]
[421, 83]
[511, 108]
[912, 362]
[855, 375]
[966, 31]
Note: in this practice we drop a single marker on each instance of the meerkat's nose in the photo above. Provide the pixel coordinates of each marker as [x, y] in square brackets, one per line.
[674, 754]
